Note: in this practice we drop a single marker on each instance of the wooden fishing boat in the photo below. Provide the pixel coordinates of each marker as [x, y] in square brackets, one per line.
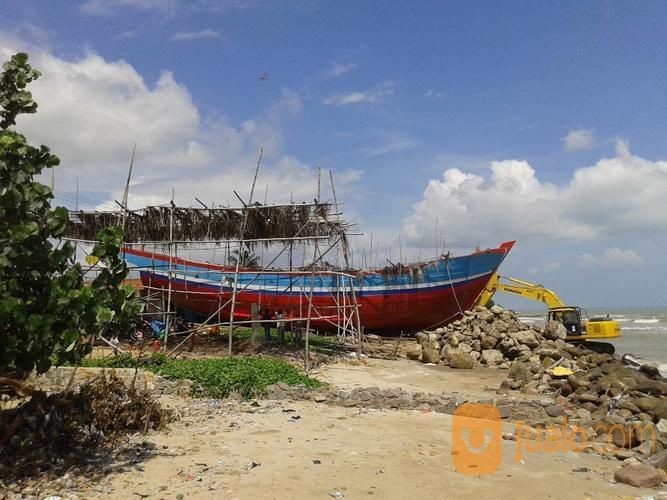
[405, 298]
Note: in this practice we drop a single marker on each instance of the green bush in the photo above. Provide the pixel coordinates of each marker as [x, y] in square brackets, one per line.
[216, 378]
[47, 313]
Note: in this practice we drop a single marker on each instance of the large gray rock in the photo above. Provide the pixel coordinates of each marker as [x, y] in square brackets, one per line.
[485, 315]
[414, 352]
[641, 476]
[488, 342]
[525, 337]
[497, 310]
[460, 359]
[662, 426]
[554, 330]
[658, 460]
[520, 372]
[492, 357]
[430, 355]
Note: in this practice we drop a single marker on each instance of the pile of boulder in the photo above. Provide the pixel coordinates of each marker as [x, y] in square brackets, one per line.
[486, 337]
[617, 404]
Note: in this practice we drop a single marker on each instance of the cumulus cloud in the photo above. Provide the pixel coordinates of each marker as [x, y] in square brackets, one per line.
[340, 69]
[186, 36]
[623, 194]
[579, 140]
[611, 257]
[374, 95]
[92, 110]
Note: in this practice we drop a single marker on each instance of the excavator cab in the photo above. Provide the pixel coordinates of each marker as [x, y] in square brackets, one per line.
[571, 319]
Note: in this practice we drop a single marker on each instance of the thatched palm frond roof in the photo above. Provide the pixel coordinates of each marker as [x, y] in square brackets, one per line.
[152, 224]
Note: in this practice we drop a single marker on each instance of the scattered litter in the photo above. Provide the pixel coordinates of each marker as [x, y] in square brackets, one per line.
[336, 494]
[508, 436]
[317, 462]
[252, 465]
[561, 371]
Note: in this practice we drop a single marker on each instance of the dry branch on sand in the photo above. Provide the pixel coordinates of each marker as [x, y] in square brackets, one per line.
[66, 428]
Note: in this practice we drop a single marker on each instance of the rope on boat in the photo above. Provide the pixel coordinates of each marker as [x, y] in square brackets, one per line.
[452, 284]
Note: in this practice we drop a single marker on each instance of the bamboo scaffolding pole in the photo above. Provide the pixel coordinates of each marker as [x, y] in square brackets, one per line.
[171, 260]
[312, 279]
[239, 257]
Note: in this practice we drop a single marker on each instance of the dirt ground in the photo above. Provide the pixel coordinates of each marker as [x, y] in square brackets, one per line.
[412, 376]
[285, 449]
[304, 450]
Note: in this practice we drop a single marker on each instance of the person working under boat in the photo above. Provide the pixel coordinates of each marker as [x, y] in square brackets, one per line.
[280, 326]
[266, 323]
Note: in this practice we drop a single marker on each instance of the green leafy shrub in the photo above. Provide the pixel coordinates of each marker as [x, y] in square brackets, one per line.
[47, 313]
[216, 378]
[247, 376]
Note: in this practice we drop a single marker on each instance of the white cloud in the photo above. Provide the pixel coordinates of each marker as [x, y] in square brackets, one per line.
[393, 145]
[612, 257]
[108, 7]
[92, 110]
[548, 267]
[340, 69]
[185, 36]
[432, 93]
[579, 140]
[623, 194]
[374, 95]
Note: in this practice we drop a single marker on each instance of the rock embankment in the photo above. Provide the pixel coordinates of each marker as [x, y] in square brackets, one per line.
[615, 404]
[486, 337]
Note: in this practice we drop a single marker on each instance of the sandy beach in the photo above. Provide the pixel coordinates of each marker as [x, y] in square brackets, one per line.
[288, 449]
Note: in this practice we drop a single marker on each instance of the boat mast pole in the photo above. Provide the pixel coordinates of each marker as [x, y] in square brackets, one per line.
[240, 255]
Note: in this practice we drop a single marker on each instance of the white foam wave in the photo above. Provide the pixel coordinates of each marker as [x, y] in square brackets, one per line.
[647, 320]
[644, 328]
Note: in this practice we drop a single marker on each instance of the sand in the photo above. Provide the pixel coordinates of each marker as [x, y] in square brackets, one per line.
[285, 449]
[223, 450]
[412, 376]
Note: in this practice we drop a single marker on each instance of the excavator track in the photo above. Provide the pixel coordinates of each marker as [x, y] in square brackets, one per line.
[599, 347]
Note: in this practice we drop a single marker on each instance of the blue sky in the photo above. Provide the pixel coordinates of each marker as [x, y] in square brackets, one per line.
[567, 98]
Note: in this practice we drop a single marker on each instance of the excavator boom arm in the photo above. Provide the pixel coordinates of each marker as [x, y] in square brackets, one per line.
[522, 289]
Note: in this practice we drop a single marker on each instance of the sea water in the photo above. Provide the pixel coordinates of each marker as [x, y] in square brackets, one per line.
[644, 330]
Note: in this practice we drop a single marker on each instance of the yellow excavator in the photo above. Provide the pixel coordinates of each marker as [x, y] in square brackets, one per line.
[580, 329]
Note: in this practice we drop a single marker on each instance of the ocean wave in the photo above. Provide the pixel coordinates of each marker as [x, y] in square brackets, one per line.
[647, 320]
[655, 329]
